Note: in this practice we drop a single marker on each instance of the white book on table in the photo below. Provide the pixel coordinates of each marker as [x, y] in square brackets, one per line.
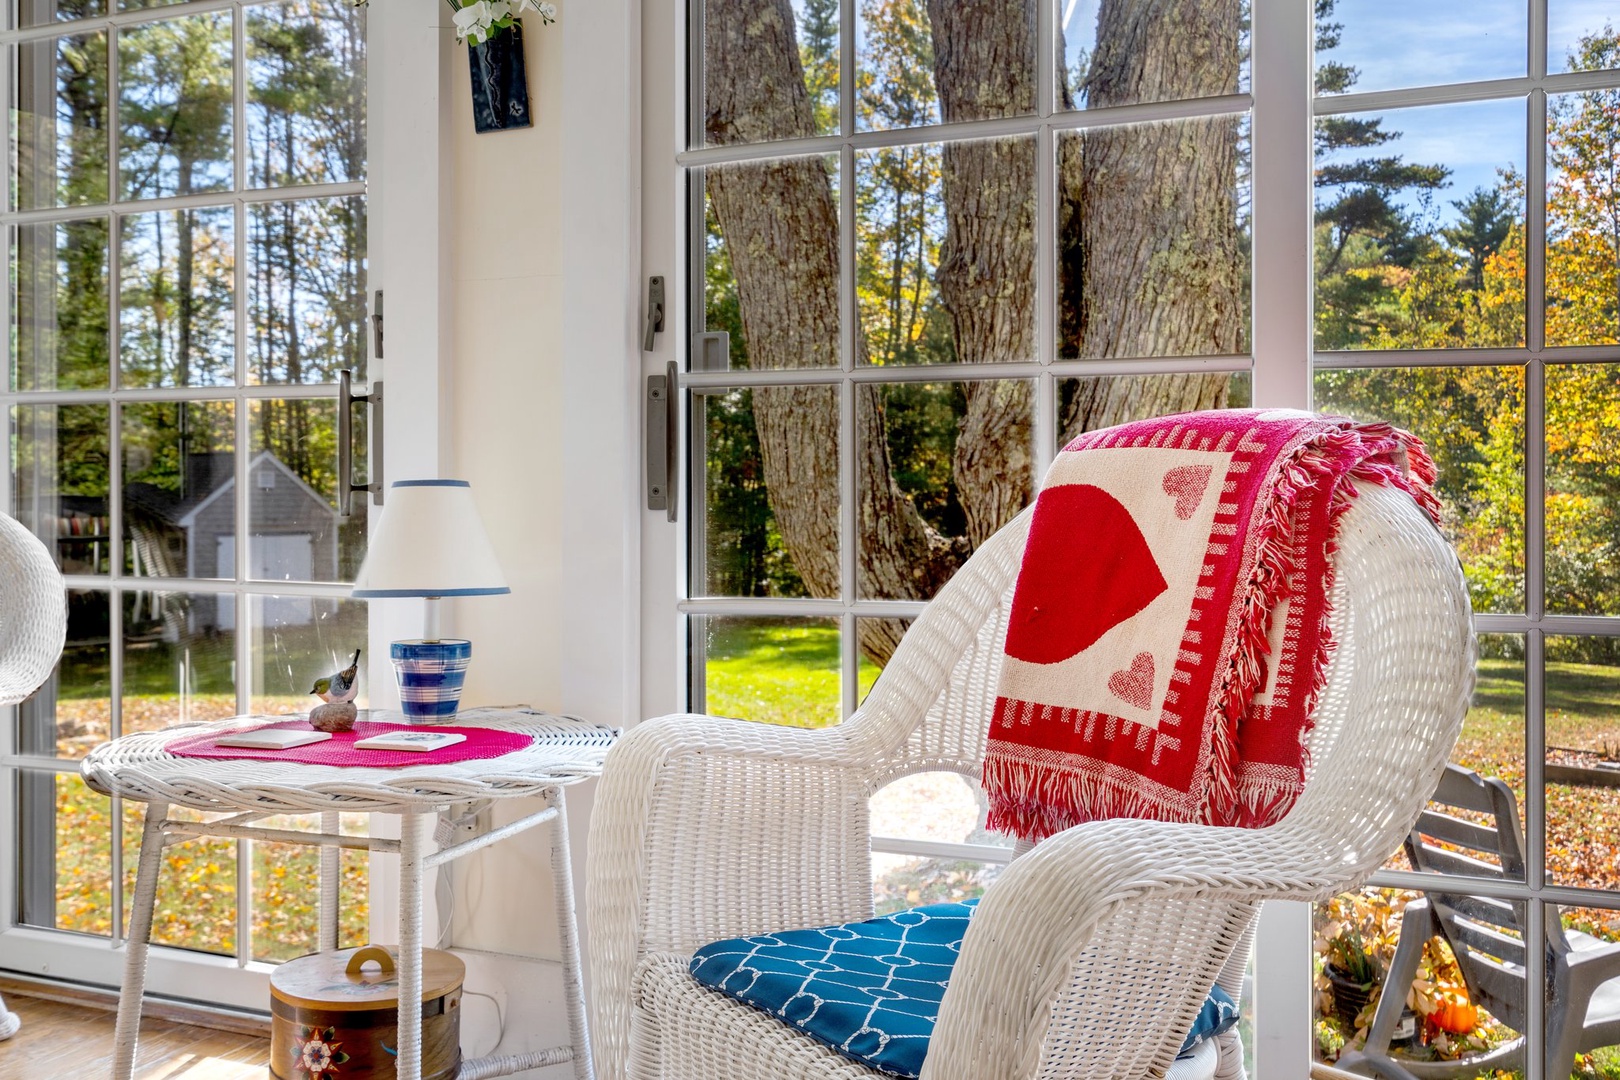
[420, 741]
[273, 738]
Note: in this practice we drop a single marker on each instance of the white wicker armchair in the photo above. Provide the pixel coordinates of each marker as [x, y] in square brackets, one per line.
[1088, 956]
[33, 626]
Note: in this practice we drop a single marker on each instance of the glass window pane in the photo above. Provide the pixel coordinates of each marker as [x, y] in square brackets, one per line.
[72, 713]
[1583, 761]
[179, 659]
[307, 290]
[1457, 1004]
[1589, 934]
[1153, 240]
[306, 93]
[1106, 400]
[879, 639]
[944, 807]
[1420, 228]
[770, 500]
[1492, 742]
[179, 489]
[770, 69]
[196, 887]
[1472, 420]
[83, 857]
[298, 639]
[174, 106]
[1580, 35]
[60, 456]
[942, 466]
[1583, 207]
[905, 881]
[772, 670]
[295, 533]
[40, 12]
[1137, 52]
[286, 890]
[177, 305]
[945, 252]
[1388, 46]
[1583, 489]
[920, 63]
[60, 119]
[771, 274]
[59, 312]
[286, 894]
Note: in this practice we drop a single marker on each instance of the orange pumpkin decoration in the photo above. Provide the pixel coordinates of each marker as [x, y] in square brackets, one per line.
[1455, 1013]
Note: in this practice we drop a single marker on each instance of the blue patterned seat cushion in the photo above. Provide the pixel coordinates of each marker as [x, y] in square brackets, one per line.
[870, 990]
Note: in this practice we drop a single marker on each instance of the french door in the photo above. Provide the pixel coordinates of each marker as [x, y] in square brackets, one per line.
[187, 228]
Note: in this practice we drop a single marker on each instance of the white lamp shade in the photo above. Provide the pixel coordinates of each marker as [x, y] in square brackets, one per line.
[430, 541]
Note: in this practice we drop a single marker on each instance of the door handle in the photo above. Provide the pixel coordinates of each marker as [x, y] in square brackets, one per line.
[347, 399]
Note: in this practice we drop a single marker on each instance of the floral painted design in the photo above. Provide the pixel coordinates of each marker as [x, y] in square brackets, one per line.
[317, 1053]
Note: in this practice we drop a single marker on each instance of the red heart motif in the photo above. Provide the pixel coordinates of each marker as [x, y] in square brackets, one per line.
[1087, 568]
[1187, 483]
[1134, 686]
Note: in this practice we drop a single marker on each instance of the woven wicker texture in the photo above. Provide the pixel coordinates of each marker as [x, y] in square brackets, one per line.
[138, 767]
[33, 612]
[1089, 955]
[33, 628]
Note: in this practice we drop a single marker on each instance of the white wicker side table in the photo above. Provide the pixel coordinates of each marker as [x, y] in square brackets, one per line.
[565, 750]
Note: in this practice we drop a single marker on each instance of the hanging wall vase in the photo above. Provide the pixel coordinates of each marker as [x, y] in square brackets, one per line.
[500, 86]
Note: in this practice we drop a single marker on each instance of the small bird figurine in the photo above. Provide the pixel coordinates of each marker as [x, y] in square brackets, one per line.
[342, 686]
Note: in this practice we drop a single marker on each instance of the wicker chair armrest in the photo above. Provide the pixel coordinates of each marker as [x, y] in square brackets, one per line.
[705, 828]
[1150, 912]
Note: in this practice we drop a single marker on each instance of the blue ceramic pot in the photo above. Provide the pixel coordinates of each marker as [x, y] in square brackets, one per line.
[430, 674]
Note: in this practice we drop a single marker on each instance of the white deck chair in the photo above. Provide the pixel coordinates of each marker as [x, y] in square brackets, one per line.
[33, 628]
[1487, 938]
[1088, 956]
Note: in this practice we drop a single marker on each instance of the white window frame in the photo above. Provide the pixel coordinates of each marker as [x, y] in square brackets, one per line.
[407, 190]
[1284, 108]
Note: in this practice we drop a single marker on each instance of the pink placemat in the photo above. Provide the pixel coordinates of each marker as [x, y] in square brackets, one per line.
[339, 749]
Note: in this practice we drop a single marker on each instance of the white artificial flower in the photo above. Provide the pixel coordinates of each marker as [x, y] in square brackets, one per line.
[473, 21]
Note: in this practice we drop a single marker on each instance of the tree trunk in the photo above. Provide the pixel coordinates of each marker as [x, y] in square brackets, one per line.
[780, 224]
[984, 67]
[1149, 219]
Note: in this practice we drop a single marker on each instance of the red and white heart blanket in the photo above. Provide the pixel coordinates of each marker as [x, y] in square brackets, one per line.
[1169, 627]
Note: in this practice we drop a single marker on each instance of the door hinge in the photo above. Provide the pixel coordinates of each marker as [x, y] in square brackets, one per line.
[377, 326]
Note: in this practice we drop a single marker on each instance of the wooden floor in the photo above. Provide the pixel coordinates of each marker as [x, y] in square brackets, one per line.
[67, 1042]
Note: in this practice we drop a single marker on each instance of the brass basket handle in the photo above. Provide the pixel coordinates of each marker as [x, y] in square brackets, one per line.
[382, 956]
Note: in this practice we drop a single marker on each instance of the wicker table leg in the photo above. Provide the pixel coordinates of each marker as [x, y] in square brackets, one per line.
[135, 944]
[414, 830]
[562, 879]
[331, 876]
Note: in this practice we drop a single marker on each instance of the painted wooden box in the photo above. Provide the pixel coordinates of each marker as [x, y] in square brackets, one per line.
[333, 1015]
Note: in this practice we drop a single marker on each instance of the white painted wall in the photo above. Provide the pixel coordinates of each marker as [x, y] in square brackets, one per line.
[536, 376]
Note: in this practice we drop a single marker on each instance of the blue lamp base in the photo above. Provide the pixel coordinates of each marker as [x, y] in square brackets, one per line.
[430, 675]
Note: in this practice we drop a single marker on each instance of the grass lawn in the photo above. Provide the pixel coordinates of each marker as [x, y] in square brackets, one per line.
[778, 671]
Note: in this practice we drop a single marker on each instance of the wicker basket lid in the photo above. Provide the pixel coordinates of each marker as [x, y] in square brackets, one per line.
[363, 978]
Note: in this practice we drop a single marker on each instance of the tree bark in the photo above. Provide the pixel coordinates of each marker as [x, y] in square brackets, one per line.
[780, 224]
[984, 68]
[1149, 248]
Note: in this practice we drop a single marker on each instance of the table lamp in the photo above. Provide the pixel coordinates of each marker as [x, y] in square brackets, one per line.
[430, 542]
